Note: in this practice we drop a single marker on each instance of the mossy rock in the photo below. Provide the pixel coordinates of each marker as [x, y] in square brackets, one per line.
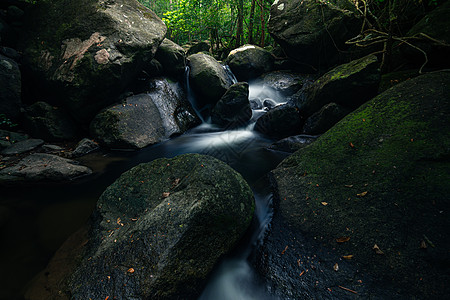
[157, 232]
[381, 177]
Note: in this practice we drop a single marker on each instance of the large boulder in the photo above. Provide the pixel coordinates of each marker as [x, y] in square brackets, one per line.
[49, 123]
[145, 119]
[249, 62]
[280, 122]
[10, 88]
[313, 32]
[284, 83]
[22, 147]
[435, 25]
[349, 85]
[233, 109]
[41, 167]
[172, 58]
[208, 78]
[86, 52]
[376, 187]
[156, 233]
[196, 47]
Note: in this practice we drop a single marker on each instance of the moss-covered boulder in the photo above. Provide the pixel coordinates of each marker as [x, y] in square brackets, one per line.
[145, 119]
[249, 62]
[86, 52]
[376, 186]
[49, 123]
[208, 78]
[349, 85]
[324, 119]
[233, 109]
[172, 58]
[313, 32]
[156, 233]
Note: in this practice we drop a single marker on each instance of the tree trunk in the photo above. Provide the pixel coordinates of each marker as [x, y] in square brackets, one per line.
[240, 23]
[251, 22]
[263, 24]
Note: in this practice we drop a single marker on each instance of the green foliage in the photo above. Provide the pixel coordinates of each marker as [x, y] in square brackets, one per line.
[213, 20]
[6, 123]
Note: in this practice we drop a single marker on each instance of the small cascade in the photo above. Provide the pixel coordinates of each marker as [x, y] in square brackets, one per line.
[191, 96]
[230, 74]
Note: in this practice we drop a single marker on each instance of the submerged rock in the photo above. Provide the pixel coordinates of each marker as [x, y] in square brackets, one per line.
[88, 51]
[313, 32]
[208, 78]
[145, 119]
[286, 83]
[49, 123]
[349, 85]
[157, 232]
[41, 167]
[378, 183]
[293, 143]
[249, 61]
[233, 109]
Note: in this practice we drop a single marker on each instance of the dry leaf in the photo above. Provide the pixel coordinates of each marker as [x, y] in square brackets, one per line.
[423, 245]
[324, 203]
[351, 145]
[282, 252]
[349, 185]
[362, 194]
[343, 239]
[130, 270]
[336, 267]
[377, 249]
[165, 195]
[347, 257]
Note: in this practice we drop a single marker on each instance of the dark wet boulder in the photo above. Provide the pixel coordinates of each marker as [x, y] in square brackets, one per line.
[10, 88]
[145, 119]
[435, 25]
[22, 146]
[156, 233]
[41, 167]
[208, 78]
[172, 58]
[280, 122]
[325, 118]
[86, 52]
[49, 123]
[293, 143]
[196, 47]
[7, 138]
[349, 85]
[375, 186]
[233, 109]
[249, 62]
[314, 32]
[283, 82]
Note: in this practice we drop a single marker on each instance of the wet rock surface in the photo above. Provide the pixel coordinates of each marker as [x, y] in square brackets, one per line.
[249, 61]
[280, 122]
[156, 232]
[145, 119]
[10, 88]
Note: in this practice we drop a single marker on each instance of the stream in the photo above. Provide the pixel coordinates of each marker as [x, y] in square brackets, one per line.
[40, 218]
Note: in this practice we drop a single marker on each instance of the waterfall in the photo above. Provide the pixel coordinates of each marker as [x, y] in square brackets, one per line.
[230, 74]
[191, 95]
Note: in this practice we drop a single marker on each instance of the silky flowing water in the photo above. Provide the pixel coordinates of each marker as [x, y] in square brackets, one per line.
[40, 218]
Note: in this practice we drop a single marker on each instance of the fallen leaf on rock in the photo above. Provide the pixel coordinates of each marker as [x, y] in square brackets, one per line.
[423, 245]
[165, 195]
[303, 272]
[324, 203]
[347, 256]
[282, 252]
[343, 239]
[336, 267]
[377, 249]
[130, 270]
[349, 185]
[351, 145]
[362, 194]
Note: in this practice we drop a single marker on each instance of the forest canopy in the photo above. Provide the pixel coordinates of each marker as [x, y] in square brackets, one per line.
[226, 24]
